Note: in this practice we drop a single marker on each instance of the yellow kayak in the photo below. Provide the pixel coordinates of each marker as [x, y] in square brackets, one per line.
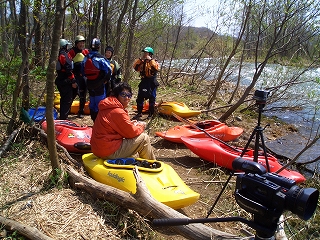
[75, 107]
[56, 99]
[179, 108]
[163, 182]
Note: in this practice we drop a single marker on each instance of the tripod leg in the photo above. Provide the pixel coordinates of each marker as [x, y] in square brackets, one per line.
[222, 190]
[247, 145]
[264, 151]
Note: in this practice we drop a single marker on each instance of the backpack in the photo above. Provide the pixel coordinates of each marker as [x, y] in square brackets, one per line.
[90, 70]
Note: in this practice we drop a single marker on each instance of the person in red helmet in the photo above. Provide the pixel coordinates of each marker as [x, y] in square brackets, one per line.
[65, 80]
[77, 54]
[148, 67]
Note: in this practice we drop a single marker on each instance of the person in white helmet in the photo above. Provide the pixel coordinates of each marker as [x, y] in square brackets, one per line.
[77, 54]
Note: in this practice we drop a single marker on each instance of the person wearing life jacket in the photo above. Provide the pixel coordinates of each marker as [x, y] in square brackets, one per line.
[116, 70]
[65, 80]
[77, 54]
[148, 68]
[97, 70]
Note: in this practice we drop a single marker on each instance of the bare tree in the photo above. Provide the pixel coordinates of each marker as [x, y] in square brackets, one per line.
[23, 70]
[59, 14]
[269, 31]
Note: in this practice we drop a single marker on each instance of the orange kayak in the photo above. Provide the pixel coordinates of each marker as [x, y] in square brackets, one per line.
[214, 151]
[145, 107]
[73, 137]
[213, 127]
[75, 107]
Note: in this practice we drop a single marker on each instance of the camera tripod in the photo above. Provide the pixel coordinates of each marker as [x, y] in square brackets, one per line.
[258, 134]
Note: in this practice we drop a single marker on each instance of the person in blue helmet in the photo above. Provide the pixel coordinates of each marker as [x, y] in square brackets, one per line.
[97, 71]
[148, 67]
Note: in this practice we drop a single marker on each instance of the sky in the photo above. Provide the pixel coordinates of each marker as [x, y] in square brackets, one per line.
[200, 12]
[213, 14]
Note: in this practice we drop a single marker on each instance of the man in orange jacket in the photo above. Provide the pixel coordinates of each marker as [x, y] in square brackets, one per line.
[148, 68]
[114, 135]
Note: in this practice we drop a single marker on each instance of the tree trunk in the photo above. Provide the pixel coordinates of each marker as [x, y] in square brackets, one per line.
[59, 15]
[4, 43]
[143, 203]
[37, 45]
[132, 26]
[22, 30]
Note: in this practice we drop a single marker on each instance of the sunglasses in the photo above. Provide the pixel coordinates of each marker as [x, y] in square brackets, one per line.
[124, 94]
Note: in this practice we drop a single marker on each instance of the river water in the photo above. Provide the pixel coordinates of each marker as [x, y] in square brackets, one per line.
[303, 94]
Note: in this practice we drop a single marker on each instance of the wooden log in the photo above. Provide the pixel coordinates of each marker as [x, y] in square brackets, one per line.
[27, 231]
[9, 141]
[143, 203]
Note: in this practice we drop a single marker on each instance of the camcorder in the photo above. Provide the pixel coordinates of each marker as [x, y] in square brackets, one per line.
[261, 96]
[267, 195]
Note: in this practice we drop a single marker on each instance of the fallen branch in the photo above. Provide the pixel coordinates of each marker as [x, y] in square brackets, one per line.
[25, 230]
[65, 151]
[8, 142]
[143, 203]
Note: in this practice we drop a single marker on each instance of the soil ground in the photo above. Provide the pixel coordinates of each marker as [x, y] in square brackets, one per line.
[62, 213]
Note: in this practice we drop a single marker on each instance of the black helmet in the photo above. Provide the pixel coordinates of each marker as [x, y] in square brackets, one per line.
[109, 48]
[95, 44]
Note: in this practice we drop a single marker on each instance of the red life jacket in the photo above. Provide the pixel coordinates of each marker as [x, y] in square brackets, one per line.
[90, 70]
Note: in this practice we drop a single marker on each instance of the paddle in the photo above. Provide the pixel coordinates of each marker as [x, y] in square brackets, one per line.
[208, 134]
[212, 109]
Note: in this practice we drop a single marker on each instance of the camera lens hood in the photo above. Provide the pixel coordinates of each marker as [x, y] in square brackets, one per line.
[302, 201]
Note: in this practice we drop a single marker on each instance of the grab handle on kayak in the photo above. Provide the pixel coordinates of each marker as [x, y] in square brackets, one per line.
[208, 134]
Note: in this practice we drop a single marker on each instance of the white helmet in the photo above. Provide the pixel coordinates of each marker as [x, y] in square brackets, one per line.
[79, 38]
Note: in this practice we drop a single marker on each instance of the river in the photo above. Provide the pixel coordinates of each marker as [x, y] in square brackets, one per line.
[304, 96]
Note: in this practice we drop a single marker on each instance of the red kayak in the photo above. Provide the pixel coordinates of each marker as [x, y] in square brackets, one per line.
[213, 127]
[73, 137]
[223, 155]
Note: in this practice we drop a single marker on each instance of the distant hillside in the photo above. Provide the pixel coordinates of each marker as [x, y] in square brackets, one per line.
[202, 32]
[188, 30]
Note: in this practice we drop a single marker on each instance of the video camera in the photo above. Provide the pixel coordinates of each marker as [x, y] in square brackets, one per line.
[267, 195]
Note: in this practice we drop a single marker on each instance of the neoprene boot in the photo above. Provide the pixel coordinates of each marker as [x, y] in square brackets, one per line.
[82, 102]
[93, 115]
[139, 114]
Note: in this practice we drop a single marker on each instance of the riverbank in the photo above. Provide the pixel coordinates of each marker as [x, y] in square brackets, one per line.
[63, 213]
